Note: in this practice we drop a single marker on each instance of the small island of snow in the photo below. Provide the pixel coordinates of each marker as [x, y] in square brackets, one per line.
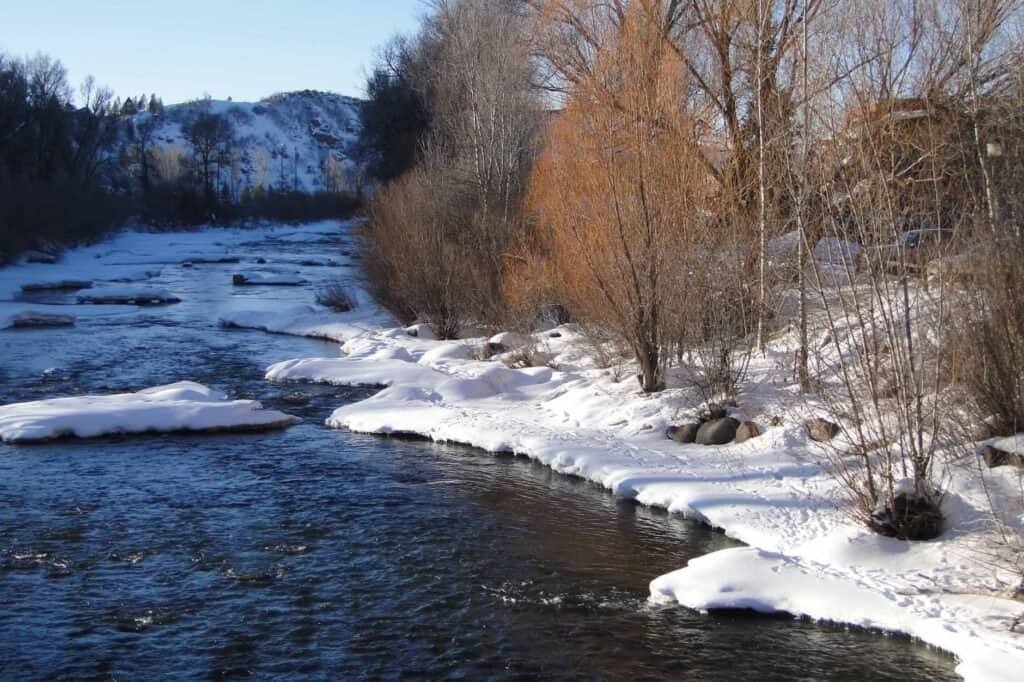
[183, 406]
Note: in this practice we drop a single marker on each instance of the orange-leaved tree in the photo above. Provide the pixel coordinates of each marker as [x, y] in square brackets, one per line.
[616, 194]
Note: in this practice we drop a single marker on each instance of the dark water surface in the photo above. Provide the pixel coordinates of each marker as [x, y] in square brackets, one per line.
[322, 554]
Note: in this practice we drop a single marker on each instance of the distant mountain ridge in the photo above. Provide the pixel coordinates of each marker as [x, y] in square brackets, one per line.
[303, 140]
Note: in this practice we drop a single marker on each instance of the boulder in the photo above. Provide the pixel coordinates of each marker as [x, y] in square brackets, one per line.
[911, 517]
[718, 431]
[296, 398]
[746, 431]
[822, 430]
[683, 434]
[994, 457]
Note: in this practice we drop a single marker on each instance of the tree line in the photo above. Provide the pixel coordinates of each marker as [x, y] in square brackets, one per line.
[698, 178]
[72, 168]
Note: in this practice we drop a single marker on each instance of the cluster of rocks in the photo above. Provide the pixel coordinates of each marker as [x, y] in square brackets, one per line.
[715, 427]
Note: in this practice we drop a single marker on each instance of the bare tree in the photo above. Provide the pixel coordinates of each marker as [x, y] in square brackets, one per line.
[209, 135]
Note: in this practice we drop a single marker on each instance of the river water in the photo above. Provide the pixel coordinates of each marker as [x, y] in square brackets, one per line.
[323, 554]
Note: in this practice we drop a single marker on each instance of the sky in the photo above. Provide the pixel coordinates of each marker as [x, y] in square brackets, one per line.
[182, 49]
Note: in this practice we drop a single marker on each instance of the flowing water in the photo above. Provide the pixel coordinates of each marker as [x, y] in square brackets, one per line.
[323, 554]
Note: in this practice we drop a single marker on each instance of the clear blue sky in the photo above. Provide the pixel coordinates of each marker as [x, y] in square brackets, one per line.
[183, 48]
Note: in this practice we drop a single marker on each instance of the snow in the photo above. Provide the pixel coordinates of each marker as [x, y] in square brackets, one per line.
[836, 252]
[307, 127]
[511, 340]
[126, 295]
[584, 416]
[183, 406]
[806, 556]
[307, 320]
[754, 579]
[1012, 444]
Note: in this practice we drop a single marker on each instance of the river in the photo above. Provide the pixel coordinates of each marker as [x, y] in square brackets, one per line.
[324, 554]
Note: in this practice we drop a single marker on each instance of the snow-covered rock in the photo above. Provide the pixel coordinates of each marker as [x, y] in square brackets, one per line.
[142, 296]
[511, 340]
[37, 318]
[183, 406]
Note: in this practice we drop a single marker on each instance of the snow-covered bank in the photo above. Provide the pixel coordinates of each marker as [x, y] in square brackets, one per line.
[751, 578]
[184, 406]
[806, 556]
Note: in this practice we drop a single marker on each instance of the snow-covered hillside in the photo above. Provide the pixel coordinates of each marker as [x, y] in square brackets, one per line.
[300, 140]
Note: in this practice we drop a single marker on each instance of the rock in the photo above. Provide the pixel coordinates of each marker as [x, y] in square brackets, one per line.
[261, 261]
[718, 431]
[127, 296]
[822, 430]
[746, 431]
[214, 261]
[296, 398]
[35, 319]
[239, 279]
[61, 285]
[683, 434]
[910, 518]
[994, 457]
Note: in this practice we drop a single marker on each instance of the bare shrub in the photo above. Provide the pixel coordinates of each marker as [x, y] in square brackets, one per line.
[713, 324]
[533, 355]
[337, 297]
[990, 336]
[419, 260]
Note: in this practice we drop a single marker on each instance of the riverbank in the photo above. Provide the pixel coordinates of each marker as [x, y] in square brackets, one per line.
[772, 492]
[806, 556]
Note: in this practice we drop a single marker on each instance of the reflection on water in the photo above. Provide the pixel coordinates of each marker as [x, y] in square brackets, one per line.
[325, 554]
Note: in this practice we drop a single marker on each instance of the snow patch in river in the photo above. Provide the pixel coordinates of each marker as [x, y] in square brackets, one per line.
[183, 406]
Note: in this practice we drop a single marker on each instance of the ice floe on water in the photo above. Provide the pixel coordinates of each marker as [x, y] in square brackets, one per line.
[125, 295]
[183, 406]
